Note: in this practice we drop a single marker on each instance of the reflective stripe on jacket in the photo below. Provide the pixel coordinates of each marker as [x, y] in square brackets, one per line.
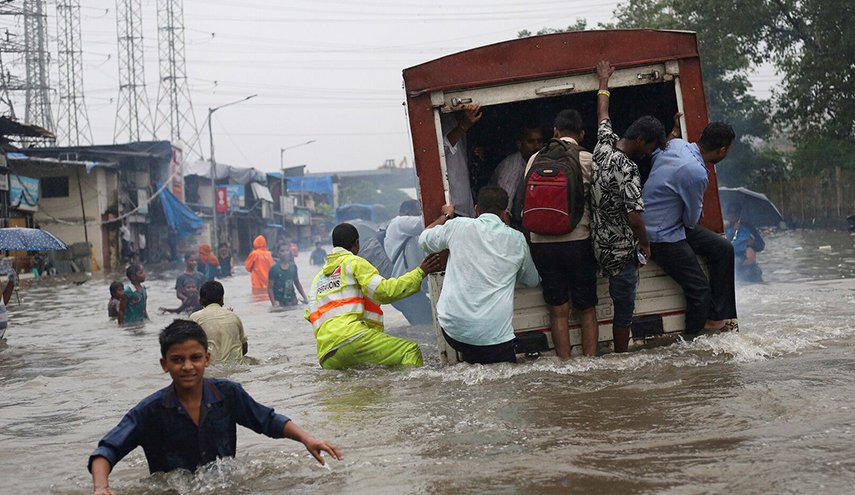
[345, 298]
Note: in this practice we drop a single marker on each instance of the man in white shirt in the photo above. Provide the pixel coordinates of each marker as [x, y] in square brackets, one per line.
[509, 172]
[402, 248]
[487, 259]
[454, 129]
[226, 340]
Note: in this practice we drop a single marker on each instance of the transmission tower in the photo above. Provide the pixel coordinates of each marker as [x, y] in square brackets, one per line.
[133, 116]
[37, 62]
[174, 108]
[72, 119]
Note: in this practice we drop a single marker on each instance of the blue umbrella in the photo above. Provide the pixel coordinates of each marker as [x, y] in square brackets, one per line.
[21, 239]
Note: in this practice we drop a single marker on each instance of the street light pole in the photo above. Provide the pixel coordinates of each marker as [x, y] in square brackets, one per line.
[282, 170]
[214, 240]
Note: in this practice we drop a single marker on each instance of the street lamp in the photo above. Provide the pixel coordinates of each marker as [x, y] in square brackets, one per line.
[282, 170]
[211, 111]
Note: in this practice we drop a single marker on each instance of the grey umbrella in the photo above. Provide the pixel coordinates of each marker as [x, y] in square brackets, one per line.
[757, 210]
[22, 239]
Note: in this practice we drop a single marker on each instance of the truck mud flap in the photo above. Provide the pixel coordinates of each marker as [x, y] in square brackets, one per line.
[531, 343]
[647, 327]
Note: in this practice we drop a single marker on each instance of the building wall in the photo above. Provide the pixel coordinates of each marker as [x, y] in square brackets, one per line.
[97, 197]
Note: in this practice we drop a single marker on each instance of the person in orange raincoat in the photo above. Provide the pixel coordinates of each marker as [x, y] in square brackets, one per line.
[258, 263]
[209, 265]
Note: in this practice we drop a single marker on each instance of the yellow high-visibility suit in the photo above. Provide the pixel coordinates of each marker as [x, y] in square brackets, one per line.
[344, 310]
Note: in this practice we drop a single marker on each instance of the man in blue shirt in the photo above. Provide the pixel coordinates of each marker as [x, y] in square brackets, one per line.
[193, 420]
[487, 259]
[674, 199]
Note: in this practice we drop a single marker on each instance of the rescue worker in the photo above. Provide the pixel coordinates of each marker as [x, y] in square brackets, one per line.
[344, 307]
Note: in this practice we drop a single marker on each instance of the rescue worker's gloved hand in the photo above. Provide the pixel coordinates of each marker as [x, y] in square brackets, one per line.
[431, 263]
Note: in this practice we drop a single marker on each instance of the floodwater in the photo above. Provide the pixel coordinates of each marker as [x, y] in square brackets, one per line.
[770, 409]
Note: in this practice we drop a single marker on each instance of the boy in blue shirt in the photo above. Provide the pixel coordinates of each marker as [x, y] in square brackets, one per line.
[192, 421]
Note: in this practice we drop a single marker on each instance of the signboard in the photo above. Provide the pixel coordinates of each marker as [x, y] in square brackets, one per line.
[222, 200]
[177, 173]
[237, 196]
[23, 193]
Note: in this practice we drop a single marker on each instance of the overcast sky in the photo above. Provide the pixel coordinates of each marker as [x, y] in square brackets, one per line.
[328, 70]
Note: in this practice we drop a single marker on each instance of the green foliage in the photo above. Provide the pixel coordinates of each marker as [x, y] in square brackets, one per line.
[368, 193]
[812, 42]
[816, 154]
[581, 25]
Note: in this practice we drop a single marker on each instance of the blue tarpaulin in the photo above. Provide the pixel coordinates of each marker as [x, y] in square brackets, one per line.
[311, 184]
[178, 216]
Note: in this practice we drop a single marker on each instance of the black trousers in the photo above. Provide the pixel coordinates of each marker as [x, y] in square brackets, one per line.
[706, 299]
[484, 354]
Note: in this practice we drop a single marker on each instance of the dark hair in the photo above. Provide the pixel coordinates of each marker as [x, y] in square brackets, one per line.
[180, 331]
[344, 235]
[409, 207]
[132, 269]
[569, 122]
[649, 129]
[716, 135]
[211, 292]
[188, 255]
[116, 285]
[223, 244]
[492, 199]
[526, 128]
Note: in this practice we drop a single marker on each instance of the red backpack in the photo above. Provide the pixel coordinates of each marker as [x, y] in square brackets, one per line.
[554, 198]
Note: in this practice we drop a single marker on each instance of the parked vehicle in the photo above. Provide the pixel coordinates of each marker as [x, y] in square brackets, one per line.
[531, 80]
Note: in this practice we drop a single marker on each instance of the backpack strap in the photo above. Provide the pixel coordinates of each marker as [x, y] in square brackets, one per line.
[400, 251]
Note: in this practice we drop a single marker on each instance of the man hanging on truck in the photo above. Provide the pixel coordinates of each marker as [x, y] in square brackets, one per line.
[565, 259]
[454, 129]
[487, 259]
[673, 199]
[620, 238]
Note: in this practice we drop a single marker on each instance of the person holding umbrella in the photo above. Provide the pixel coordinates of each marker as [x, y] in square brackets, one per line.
[22, 239]
[6, 269]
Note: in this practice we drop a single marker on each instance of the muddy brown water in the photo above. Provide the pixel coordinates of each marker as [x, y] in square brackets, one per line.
[768, 410]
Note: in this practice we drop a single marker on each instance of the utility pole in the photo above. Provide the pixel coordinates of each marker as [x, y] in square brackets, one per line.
[73, 119]
[133, 115]
[37, 61]
[214, 237]
[174, 108]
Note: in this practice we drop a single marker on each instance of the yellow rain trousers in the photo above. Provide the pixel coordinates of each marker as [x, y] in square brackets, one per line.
[344, 310]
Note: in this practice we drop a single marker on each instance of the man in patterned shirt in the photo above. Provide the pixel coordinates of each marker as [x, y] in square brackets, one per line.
[617, 227]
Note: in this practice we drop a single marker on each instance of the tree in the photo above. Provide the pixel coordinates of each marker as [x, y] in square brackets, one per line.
[727, 60]
[581, 25]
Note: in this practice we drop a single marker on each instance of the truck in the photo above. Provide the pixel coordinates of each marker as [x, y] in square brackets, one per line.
[657, 72]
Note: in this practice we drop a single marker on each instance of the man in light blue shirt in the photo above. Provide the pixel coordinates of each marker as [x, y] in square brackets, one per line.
[674, 199]
[487, 259]
[402, 248]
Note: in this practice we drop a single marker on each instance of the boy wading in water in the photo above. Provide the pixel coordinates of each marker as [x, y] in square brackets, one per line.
[132, 309]
[192, 421]
[282, 280]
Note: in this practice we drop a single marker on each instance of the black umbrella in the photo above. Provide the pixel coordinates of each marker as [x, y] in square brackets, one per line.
[756, 207]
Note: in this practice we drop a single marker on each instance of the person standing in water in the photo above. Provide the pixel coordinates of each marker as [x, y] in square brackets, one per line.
[258, 263]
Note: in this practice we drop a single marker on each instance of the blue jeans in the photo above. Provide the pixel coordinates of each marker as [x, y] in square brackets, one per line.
[622, 289]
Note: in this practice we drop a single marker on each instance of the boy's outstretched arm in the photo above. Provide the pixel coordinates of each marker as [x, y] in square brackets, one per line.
[101, 476]
[313, 445]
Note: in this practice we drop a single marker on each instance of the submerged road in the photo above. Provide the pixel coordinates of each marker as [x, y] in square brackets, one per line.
[768, 410]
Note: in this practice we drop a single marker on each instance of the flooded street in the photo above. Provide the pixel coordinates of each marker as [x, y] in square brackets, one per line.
[768, 410]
